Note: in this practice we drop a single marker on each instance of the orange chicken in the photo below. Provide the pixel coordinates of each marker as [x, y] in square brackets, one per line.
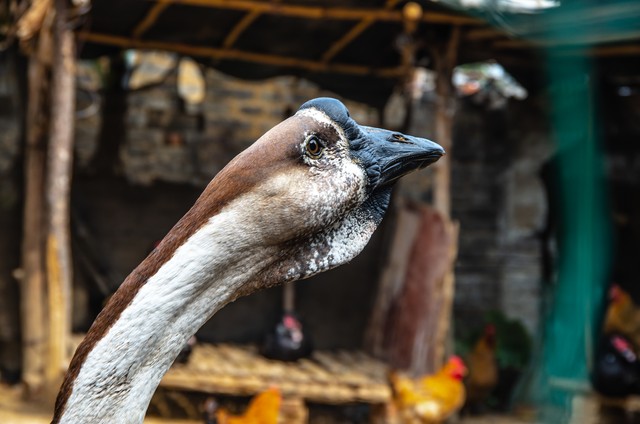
[622, 315]
[432, 398]
[263, 409]
[483, 367]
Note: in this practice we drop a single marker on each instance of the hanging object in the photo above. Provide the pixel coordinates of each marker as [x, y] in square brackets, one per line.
[191, 85]
[411, 14]
[148, 67]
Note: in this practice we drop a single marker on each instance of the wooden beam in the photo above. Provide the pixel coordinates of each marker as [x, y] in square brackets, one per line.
[57, 193]
[151, 18]
[230, 54]
[612, 51]
[246, 21]
[340, 44]
[240, 27]
[570, 40]
[515, 43]
[484, 33]
[358, 29]
[317, 12]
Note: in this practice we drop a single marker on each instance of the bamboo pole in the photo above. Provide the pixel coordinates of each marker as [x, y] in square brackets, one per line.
[318, 12]
[57, 193]
[231, 54]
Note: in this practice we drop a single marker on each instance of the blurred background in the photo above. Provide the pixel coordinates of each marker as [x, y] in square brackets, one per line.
[515, 252]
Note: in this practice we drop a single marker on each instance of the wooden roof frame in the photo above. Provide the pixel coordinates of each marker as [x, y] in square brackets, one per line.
[475, 30]
[364, 18]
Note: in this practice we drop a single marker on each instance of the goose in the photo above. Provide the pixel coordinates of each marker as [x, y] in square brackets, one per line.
[304, 198]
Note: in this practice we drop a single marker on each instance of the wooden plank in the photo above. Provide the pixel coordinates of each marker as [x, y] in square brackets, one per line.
[231, 54]
[412, 342]
[392, 277]
[327, 377]
[57, 193]
[336, 13]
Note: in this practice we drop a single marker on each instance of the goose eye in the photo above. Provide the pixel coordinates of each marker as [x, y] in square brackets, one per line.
[314, 147]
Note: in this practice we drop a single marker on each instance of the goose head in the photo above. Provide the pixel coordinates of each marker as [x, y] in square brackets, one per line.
[319, 184]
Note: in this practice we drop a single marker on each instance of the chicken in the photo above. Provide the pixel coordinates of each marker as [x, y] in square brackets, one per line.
[432, 398]
[288, 341]
[617, 369]
[263, 409]
[483, 368]
[622, 314]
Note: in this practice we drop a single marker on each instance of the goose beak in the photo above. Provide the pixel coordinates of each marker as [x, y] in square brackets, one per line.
[398, 154]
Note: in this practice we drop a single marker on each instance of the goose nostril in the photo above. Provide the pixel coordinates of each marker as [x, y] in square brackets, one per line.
[396, 137]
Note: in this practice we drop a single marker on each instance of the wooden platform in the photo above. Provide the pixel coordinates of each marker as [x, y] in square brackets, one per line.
[327, 378]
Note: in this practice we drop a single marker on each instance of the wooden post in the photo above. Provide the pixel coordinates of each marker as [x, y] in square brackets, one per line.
[58, 182]
[445, 110]
[445, 62]
[289, 297]
[32, 297]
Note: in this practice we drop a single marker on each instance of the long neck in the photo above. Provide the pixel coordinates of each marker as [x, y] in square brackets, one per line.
[118, 373]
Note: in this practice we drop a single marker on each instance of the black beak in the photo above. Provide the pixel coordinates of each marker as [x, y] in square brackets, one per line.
[398, 154]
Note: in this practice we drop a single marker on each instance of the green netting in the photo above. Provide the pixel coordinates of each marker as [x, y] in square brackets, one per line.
[573, 299]
[572, 308]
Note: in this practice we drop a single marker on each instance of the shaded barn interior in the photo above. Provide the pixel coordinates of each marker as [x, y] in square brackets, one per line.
[144, 151]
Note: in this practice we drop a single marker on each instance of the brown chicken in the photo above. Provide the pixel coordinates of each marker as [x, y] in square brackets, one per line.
[263, 409]
[432, 398]
[622, 315]
[483, 368]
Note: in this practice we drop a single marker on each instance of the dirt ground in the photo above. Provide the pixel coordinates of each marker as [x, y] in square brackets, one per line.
[591, 411]
[15, 411]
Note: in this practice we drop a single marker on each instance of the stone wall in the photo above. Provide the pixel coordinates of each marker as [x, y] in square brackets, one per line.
[170, 142]
[498, 197]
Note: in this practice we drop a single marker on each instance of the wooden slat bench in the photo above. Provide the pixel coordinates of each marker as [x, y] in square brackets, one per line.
[327, 377]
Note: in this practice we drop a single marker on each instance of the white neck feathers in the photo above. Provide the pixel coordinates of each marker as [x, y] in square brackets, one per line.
[121, 372]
